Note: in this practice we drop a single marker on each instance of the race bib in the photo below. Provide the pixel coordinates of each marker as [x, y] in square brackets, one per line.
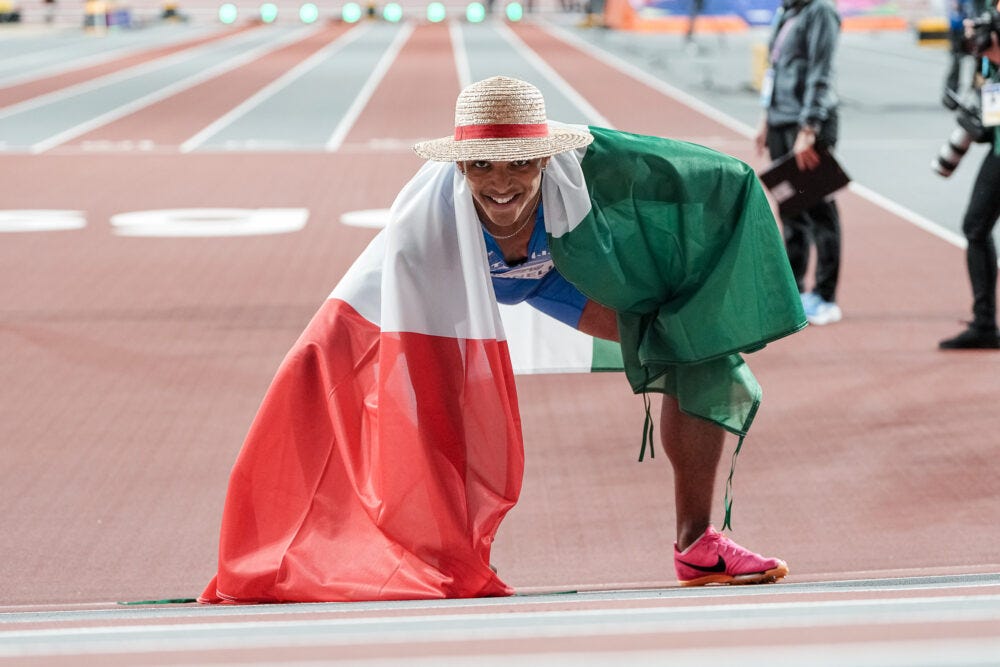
[767, 87]
[991, 104]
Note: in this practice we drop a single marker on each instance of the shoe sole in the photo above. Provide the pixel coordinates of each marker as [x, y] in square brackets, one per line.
[959, 348]
[769, 577]
[823, 321]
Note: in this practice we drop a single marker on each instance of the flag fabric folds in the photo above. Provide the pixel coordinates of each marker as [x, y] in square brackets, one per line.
[681, 242]
[388, 447]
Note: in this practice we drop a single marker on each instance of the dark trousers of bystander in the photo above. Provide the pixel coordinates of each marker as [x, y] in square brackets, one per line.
[981, 255]
[957, 54]
[819, 225]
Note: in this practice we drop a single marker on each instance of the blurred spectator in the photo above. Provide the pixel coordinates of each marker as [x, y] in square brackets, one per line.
[958, 53]
[595, 14]
[696, 8]
[9, 12]
[800, 114]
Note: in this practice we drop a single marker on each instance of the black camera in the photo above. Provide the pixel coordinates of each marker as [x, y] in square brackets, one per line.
[983, 27]
[969, 130]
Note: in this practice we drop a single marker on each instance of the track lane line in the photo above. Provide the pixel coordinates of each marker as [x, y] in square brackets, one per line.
[53, 86]
[964, 586]
[365, 94]
[744, 130]
[977, 614]
[117, 76]
[656, 84]
[66, 57]
[272, 89]
[461, 55]
[169, 121]
[594, 116]
[167, 91]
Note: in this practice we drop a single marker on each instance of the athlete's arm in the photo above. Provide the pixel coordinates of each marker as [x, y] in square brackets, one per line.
[598, 321]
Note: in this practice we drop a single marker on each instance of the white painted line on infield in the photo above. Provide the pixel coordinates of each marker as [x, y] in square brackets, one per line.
[425, 629]
[121, 75]
[594, 117]
[173, 89]
[75, 62]
[272, 88]
[656, 84]
[461, 55]
[366, 92]
[741, 128]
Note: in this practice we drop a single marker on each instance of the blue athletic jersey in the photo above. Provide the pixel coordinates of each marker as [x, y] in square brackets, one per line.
[536, 279]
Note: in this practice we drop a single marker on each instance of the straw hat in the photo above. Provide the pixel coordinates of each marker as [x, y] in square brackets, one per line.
[501, 118]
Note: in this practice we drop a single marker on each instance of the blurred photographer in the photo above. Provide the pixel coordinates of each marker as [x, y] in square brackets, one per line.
[959, 51]
[984, 203]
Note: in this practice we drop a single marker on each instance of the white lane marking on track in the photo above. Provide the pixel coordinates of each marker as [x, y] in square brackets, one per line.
[118, 76]
[910, 216]
[593, 116]
[556, 624]
[173, 89]
[461, 55]
[888, 653]
[621, 593]
[631, 70]
[366, 92]
[74, 63]
[273, 88]
[656, 84]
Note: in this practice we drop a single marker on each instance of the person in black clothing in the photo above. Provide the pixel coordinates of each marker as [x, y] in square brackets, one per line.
[697, 6]
[958, 47]
[800, 114]
[981, 254]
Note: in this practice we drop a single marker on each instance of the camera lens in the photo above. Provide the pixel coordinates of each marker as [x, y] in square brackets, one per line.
[952, 152]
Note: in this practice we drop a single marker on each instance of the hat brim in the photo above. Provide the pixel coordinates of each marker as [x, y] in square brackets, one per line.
[559, 140]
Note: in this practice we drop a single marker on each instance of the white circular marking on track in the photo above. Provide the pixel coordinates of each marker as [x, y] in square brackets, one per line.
[210, 222]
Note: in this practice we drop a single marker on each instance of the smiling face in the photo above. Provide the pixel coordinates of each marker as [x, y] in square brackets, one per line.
[504, 192]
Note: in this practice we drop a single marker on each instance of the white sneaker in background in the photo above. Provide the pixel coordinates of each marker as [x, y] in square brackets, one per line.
[809, 302]
[824, 312]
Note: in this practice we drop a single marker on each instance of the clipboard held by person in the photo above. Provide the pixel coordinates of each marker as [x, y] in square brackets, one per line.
[796, 191]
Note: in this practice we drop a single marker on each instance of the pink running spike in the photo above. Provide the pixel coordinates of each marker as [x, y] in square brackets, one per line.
[716, 559]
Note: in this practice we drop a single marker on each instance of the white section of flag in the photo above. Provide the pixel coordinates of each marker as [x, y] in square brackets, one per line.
[442, 280]
[541, 344]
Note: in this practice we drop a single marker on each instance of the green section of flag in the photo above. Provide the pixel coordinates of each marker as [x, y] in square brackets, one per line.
[681, 242]
[607, 356]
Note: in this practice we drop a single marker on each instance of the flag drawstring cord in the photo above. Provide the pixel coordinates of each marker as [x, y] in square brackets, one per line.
[647, 440]
[647, 430]
[727, 522]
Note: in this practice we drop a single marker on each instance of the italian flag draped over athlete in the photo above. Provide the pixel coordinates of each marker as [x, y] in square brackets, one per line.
[388, 448]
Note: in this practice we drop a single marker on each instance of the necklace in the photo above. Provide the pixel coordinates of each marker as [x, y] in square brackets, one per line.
[508, 236]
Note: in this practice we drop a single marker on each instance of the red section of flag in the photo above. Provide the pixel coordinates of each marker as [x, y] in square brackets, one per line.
[379, 467]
